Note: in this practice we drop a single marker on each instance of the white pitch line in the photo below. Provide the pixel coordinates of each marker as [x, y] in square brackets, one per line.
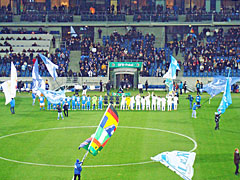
[92, 166]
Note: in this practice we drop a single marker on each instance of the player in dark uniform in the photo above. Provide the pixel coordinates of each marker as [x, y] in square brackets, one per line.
[217, 119]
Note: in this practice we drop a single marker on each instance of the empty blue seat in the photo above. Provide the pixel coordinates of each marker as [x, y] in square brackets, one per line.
[205, 74]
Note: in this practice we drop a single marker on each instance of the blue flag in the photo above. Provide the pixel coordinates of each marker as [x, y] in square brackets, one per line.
[172, 69]
[53, 97]
[180, 162]
[218, 85]
[50, 66]
[226, 99]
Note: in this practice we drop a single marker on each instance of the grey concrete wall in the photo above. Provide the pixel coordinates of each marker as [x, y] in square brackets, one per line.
[191, 81]
[62, 81]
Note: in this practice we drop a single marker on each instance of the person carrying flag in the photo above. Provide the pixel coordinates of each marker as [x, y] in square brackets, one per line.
[100, 102]
[78, 102]
[77, 170]
[94, 102]
[12, 104]
[88, 102]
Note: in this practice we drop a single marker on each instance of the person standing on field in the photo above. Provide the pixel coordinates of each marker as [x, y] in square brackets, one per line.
[217, 119]
[194, 113]
[236, 160]
[181, 87]
[59, 109]
[65, 109]
[77, 170]
[12, 103]
[185, 87]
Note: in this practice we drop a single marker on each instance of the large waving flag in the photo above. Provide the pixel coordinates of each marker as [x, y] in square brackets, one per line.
[180, 162]
[105, 130]
[53, 97]
[50, 66]
[37, 79]
[226, 99]
[10, 86]
[218, 85]
[171, 74]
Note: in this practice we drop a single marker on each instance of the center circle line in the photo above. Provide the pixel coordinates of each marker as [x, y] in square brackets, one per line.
[92, 166]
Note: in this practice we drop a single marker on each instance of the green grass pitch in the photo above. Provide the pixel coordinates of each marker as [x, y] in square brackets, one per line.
[214, 154]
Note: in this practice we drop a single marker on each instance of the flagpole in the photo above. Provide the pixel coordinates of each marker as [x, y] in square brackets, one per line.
[84, 157]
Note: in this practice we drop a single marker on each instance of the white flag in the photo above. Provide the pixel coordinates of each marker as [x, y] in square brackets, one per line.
[181, 162]
[37, 79]
[13, 80]
[73, 32]
[6, 86]
[50, 66]
[10, 86]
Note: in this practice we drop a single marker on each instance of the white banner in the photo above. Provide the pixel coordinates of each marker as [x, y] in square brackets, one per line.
[13, 80]
[10, 86]
[180, 162]
[6, 86]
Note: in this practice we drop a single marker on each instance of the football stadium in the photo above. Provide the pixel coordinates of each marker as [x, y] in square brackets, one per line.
[119, 89]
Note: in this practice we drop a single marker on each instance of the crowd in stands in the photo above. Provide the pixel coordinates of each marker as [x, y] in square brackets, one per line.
[24, 63]
[5, 14]
[220, 52]
[6, 30]
[132, 46]
[146, 13]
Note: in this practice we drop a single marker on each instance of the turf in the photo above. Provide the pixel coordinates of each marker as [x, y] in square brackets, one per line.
[214, 159]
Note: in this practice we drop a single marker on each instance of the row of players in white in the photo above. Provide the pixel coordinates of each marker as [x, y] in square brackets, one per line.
[158, 103]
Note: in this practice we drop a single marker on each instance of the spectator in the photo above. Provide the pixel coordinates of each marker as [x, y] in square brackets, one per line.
[99, 33]
[146, 85]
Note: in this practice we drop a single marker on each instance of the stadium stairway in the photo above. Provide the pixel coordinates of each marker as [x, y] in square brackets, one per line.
[74, 61]
[16, 18]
